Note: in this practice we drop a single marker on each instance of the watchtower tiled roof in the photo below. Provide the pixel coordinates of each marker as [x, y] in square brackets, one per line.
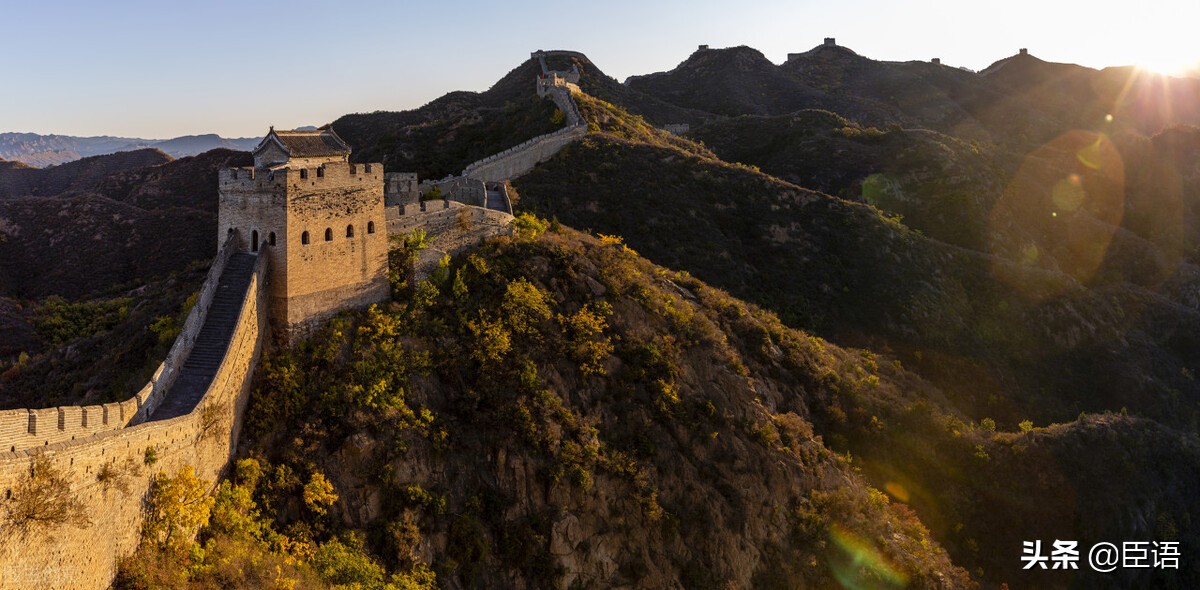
[307, 144]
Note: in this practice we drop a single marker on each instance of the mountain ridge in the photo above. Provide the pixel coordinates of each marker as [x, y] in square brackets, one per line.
[50, 150]
[990, 380]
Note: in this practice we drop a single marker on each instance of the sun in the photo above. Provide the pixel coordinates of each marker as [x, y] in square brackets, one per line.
[1166, 68]
[1170, 64]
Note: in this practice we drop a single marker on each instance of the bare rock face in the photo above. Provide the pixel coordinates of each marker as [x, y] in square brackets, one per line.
[566, 536]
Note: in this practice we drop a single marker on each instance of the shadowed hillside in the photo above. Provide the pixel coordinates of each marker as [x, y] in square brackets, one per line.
[19, 180]
[129, 224]
[444, 136]
[93, 281]
[1018, 101]
[1013, 340]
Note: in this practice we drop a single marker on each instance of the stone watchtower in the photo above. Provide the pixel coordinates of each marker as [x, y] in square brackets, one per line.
[319, 219]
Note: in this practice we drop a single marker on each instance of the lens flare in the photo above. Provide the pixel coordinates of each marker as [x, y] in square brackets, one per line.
[857, 565]
[897, 491]
[1060, 212]
[1068, 194]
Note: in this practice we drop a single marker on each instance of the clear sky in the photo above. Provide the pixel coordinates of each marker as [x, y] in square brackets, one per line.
[161, 68]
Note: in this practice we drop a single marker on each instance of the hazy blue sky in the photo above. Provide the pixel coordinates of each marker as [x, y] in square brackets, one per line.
[162, 68]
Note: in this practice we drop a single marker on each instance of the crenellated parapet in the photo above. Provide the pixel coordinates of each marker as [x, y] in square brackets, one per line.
[322, 224]
[303, 234]
[34, 428]
[299, 179]
[109, 466]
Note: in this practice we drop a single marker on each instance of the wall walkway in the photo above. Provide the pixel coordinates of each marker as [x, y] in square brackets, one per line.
[109, 470]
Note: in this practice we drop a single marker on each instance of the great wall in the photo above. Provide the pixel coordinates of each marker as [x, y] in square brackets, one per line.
[300, 238]
[519, 159]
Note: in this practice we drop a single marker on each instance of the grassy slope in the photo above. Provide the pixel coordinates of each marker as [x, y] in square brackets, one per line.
[476, 426]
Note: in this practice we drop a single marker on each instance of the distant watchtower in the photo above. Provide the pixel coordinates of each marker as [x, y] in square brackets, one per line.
[317, 217]
[830, 42]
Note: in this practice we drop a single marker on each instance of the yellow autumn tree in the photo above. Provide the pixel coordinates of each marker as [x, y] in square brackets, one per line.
[176, 509]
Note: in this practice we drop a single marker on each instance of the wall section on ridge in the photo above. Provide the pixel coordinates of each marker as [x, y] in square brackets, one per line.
[72, 556]
[34, 428]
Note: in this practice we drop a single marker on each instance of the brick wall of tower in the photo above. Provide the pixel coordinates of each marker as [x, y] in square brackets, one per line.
[327, 275]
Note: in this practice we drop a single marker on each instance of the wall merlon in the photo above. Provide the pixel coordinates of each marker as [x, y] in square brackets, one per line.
[13, 425]
[112, 414]
[43, 423]
[247, 180]
[331, 174]
[129, 409]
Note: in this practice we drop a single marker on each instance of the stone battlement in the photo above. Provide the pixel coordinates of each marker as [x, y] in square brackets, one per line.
[521, 158]
[317, 228]
[470, 191]
[85, 557]
[571, 76]
[400, 188]
[30, 429]
[325, 226]
[451, 226]
[248, 179]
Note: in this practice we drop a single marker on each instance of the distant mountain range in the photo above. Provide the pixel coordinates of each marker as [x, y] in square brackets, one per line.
[50, 150]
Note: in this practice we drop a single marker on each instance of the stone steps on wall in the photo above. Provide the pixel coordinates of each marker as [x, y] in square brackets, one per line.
[495, 199]
[211, 343]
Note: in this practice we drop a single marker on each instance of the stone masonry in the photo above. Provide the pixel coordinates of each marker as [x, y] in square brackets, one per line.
[323, 218]
[84, 555]
[310, 231]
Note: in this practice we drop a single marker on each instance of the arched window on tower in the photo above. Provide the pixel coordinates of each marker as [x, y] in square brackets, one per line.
[370, 227]
[329, 234]
[304, 239]
[254, 241]
[349, 231]
[271, 238]
[303, 173]
[320, 172]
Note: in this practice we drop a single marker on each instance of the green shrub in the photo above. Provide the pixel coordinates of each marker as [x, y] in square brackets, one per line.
[585, 332]
[524, 306]
[344, 562]
[527, 226]
[59, 321]
[434, 194]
